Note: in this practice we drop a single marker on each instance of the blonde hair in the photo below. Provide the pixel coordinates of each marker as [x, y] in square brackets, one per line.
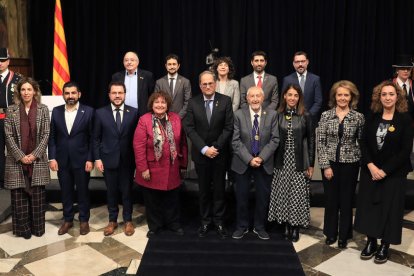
[17, 97]
[347, 85]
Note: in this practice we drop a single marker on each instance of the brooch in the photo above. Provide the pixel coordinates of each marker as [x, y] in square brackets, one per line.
[217, 104]
[391, 128]
[288, 117]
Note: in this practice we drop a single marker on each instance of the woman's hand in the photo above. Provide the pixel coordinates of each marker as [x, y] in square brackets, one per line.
[376, 173]
[146, 175]
[309, 172]
[328, 173]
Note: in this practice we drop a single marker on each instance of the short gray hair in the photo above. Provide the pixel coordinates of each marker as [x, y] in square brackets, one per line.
[255, 88]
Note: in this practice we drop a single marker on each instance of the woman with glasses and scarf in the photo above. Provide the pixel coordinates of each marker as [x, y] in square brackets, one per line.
[295, 157]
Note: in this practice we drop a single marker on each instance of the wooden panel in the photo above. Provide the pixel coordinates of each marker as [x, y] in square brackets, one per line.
[22, 66]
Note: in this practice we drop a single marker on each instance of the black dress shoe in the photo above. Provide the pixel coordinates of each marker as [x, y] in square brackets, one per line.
[178, 231]
[27, 236]
[295, 234]
[342, 244]
[151, 233]
[382, 253]
[221, 231]
[202, 231]
[330, 241]
[370, 249]
[288, 231]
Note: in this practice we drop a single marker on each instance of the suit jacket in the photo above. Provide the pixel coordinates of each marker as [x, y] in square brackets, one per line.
[269, 86]
[164, 174]
[394, 156]
[14, 178]
[232, 90]
[217, 133]
[313, 91]
[75, 148]
[111, 146]
[242, 139]
[7, 89]
[145, 87]
[410, 98]
[181, 95]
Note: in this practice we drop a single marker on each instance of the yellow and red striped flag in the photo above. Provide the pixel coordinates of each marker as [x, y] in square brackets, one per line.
[60, 57]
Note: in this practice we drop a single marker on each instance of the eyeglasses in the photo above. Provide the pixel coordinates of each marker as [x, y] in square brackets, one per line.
[204, 85]
[299, 62]
[116, 93]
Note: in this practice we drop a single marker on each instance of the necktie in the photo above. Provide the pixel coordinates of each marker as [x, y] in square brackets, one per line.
[405, 89]
[208, 110]
[302, 83]
[259, 82]
[255, 136]
[172, 86]
[118, 118]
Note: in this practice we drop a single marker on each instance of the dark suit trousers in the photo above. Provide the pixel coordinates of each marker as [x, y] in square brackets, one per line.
[119, 183]
[68, 179]
[262, 182]
[211, 181]
[162, 208]
[339, 194]
[2, 155]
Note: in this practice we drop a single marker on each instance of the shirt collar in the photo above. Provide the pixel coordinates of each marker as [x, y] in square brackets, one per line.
[121, 108]
[76, 107]
[252, 112]
[400, 82]
[255, 75]
[173, 76]
[135, 73]
[211, 99]
[304, 74]
[4, 74]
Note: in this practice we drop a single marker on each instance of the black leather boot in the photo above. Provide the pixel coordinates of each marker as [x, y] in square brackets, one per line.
[382, 253]
[295, 233]
[288, 231]
[369, 249]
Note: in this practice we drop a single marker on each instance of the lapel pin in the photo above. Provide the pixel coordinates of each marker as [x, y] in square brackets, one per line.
[216, 103]
[264, 112]
[391, 128]
[141, 78]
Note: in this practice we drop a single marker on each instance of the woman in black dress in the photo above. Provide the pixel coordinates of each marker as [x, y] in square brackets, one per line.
[386, 148]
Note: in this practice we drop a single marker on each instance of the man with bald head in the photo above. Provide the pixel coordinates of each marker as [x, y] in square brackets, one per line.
[139, 83]
[255, 139]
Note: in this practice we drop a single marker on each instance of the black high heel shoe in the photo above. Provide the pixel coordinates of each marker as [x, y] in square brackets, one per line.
[288, 231]
[295, 233]
[370, 249]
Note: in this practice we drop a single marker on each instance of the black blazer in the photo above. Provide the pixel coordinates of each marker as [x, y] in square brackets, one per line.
[201, 134]
[111, 146]
[304, 141]
[76, 148]
[145, 87]
[394, 157]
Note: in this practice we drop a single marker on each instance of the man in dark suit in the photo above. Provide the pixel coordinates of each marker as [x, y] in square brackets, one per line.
[255, 139]
[114, 156]
[209, 125]
[8, 82]
[261, 79]
[70, 154]
[403, 67]
[308, 82]
[176, 85]
[139, 83]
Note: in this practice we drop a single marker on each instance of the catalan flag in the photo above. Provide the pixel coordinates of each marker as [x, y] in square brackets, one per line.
[60, 57]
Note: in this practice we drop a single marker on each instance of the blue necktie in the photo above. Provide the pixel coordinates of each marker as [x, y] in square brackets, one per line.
[118, 119]
[255, 136]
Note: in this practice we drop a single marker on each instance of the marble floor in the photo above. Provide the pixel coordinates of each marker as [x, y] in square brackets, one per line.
[94, 254]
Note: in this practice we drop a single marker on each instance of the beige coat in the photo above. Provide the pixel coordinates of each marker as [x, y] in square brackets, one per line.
[13, 177]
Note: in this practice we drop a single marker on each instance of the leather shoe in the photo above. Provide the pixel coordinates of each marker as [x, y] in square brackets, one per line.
[295, 233]
[288, 231]
[382, 253]
[65, 227]
[342, 244]
[370, 249]
[221, 231]
[261, 234]
[129, 228]
[202, 231]
[239, 233]
[178, 231]
[110, 228]
[330, 241]
[84, 228]
[151, 233]
[27, 235]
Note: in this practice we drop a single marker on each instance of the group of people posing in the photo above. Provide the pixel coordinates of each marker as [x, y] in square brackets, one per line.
[243, 131]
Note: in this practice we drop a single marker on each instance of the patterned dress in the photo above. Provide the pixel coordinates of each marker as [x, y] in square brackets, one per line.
[289, 199]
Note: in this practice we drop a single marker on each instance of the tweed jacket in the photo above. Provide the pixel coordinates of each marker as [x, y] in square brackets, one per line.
[328, 139]
[13, 178]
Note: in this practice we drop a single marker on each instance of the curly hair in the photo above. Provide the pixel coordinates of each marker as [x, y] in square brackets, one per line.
[159, 94]
[347, 85]
[17, 97]
[376, 105]
[229, 62]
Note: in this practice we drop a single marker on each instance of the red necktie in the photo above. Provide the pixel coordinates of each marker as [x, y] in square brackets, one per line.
[259, 82]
